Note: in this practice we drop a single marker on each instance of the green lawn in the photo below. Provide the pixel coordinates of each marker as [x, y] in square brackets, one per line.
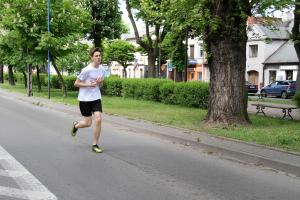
[268, 131]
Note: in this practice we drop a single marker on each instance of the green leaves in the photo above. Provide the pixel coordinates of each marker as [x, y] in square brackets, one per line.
[106, 20]
[121, 51]
[25, 29]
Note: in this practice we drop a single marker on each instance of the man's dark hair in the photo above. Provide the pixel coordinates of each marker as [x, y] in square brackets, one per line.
[93, 50]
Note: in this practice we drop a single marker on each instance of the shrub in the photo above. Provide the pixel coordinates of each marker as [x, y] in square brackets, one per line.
[54, 82]
[69, 81]
[112, 86]
[167, 93]
[42, 79]
[148, 89]
[19, 77]
[192, 94]
[129, 87]
[297, 99]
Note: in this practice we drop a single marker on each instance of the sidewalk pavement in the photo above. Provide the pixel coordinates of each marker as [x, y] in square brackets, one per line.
[244, 152]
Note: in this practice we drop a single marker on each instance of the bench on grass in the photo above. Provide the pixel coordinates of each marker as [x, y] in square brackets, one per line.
[286, 109]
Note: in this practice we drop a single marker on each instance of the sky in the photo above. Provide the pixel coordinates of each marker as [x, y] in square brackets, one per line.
[126, 18]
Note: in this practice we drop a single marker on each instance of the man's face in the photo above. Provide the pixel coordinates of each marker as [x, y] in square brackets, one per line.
[96, 59]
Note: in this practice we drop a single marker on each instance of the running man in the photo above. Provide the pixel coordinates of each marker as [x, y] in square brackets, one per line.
[89, 97]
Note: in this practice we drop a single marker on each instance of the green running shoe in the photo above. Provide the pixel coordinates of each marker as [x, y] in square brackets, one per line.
[96, 149]
[74, 129]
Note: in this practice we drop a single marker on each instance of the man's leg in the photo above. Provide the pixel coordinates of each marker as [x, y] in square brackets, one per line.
[86, 122]
[97, 128]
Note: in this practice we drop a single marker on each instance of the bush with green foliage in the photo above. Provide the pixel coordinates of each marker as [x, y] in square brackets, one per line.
[297, 99]
[43, 77]
[129, 87]
[149, 89]
[112, 86]
[167, 93]
[69, 81]
[192, 94]
[54, 81]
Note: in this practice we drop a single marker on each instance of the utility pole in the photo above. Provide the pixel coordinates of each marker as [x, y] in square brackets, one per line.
[48, 69]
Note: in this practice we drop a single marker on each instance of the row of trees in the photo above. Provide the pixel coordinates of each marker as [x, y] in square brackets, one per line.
[24, 39]
[221, 24]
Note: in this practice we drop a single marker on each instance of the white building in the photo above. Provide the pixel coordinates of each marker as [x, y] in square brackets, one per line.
[270, 54]
[138, 68]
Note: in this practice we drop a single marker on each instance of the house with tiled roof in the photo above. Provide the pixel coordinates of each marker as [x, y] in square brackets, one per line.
[270, 54]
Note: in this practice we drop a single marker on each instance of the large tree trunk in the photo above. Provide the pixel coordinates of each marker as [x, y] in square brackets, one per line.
[227, 63]
[25, 78]
[63, 85]
[29, 81]
[296, 38]
[227, 84]
[1, 74]
[151, 65]
[11, 79]
[38, 79]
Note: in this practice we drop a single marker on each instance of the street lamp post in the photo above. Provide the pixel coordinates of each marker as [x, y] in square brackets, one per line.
[48, 68]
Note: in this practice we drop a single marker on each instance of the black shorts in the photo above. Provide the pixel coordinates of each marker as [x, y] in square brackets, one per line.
[87, 108]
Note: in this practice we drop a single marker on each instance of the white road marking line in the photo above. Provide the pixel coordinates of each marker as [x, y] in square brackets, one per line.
[12, 173]
[30, 187]
[12, 192]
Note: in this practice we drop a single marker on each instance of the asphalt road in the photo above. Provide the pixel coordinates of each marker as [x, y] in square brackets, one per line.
[40, 160]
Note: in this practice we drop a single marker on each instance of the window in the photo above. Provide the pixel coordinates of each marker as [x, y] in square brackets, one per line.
[272, 76]
[192, 51]
[201, 52]
[253, 51]
[200, 76]
[192, 76]
[289, 75]
[274, 84]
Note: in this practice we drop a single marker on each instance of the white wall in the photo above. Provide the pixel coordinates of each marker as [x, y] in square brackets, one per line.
[264, 51]
[280, 72]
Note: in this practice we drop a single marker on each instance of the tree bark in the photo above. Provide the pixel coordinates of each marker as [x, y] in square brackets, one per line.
[63, 85]
[1, 74]
[38, 79]
[29, 80]
[25, 78]
[152, 49]
[11, 79]
[227, 84]
[227, 63]
[296, 38]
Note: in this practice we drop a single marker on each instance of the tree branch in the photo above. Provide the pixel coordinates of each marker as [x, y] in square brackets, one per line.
[136, 32]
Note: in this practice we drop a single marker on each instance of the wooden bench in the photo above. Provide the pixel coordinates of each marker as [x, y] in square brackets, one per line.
[286, 109]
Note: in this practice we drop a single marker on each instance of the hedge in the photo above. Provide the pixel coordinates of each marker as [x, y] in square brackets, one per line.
[112, 86]
[191, 94]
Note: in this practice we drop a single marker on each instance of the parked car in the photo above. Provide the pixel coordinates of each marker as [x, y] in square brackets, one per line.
[283, 89]
[251, 88]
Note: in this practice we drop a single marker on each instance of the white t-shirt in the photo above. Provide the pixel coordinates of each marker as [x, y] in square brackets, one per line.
[88, 75]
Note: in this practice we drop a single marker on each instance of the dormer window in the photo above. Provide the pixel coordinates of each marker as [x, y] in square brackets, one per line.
[253, 49]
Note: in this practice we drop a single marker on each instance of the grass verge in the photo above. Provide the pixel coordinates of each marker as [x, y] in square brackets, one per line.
[284, 134]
